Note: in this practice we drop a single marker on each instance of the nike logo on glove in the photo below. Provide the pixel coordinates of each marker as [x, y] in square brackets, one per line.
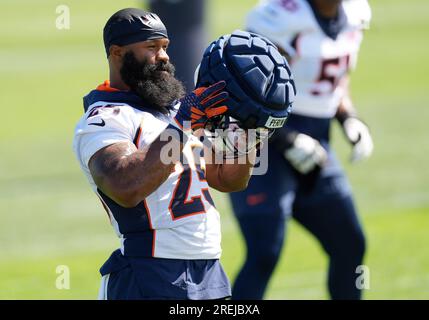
[100, 124]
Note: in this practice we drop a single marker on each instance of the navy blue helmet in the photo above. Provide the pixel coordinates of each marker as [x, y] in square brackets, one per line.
[258, 77]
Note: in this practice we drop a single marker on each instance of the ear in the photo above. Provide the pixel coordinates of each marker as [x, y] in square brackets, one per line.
[116, 52]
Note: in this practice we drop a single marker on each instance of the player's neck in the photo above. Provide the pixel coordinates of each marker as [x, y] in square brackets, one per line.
[115, 78]
[327, 9]
[117, 82]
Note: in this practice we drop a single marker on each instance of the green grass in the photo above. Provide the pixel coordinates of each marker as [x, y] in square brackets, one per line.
[50, 217]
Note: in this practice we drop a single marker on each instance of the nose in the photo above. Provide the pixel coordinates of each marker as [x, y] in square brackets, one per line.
[162, 56]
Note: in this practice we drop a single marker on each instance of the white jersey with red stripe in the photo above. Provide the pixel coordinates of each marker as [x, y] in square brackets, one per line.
[319, 63]
[178, 220]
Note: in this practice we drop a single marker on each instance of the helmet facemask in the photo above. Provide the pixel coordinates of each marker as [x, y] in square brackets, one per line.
[229, 138]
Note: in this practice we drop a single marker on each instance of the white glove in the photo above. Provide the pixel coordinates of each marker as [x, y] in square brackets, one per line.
[358, 134]
[305, 154]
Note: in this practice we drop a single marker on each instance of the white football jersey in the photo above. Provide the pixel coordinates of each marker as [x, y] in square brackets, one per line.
[319, 63]
[178, 220]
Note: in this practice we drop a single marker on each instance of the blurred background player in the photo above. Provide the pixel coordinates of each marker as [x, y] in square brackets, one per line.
[185, 22]
[321, 39]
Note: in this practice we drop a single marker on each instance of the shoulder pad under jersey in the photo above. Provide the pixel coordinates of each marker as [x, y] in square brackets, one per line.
[280, 21]
[358, 12]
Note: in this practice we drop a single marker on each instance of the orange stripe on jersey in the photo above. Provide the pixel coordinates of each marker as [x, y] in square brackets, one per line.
[148, 214]
[136, 140]
[151, 227]
[153, 242]
[105, 86]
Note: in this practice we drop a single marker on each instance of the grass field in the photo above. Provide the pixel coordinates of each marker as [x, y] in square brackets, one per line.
[49, 216]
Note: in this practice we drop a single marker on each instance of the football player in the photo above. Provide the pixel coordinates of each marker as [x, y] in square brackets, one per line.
[161, 211]
[321, 40]
[157, 199]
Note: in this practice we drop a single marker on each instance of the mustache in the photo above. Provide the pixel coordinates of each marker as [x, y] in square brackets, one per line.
[143, 70]
[165, 66]
[152, 70]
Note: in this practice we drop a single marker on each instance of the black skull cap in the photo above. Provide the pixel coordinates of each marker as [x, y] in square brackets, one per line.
[132, 25]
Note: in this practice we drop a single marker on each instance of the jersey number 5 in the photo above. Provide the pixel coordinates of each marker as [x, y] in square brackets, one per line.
[331, 72]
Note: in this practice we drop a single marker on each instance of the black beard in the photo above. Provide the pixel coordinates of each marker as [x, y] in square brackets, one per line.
[159, 89]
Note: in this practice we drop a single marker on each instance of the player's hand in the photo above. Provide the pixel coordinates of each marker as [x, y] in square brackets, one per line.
[201, 105]
[357, 132]
[305, 154]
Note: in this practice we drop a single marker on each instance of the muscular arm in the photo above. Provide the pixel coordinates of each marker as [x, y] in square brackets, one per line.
[128, 175]
[356, 131]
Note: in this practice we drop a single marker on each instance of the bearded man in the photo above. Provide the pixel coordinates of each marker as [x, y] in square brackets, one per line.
[162, 211]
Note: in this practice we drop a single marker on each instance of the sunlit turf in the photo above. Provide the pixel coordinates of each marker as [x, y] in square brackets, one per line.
[50, 217]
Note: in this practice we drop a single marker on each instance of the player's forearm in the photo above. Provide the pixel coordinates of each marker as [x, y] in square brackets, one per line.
[128, 178]
[144, 171]
[235, 177]
[231, 177]
[345, 109]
